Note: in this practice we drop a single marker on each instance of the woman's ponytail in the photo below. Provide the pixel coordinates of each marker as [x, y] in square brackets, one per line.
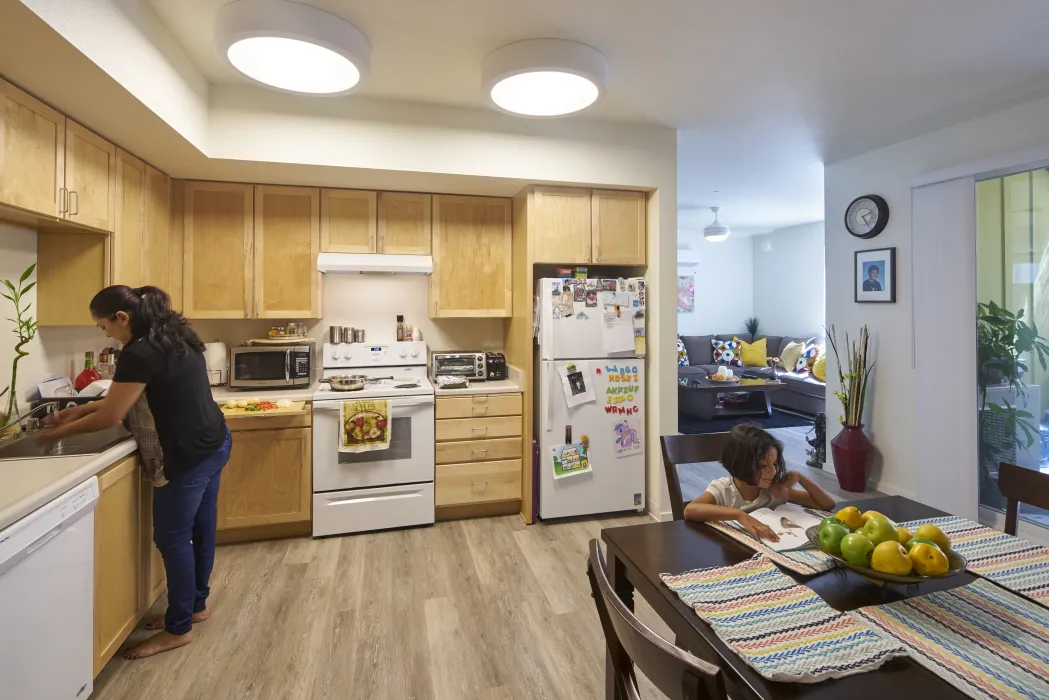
[151, 316]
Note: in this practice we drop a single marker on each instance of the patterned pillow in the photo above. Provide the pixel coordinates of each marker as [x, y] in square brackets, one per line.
[682, 353]
[727, 352]
[808, 358]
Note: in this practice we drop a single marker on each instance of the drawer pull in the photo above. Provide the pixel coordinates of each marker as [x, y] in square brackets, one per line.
[480, 398]
[480, 410]
[483, 453]
[479, 431]
[479, 486]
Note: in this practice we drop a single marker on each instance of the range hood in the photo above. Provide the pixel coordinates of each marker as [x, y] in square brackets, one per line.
[368, 262]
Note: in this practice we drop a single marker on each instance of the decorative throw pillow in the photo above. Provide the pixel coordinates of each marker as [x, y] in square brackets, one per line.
[726, 352]
[819, 369]
[808, 358]
[682, 353]
[754, 354]
[789, 356]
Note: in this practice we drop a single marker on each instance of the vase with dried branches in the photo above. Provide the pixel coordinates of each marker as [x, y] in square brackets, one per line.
[852, 450]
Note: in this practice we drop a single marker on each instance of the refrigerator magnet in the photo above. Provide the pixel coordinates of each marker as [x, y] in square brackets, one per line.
[579, 293]
[608, 285]
[570, 460]
[591, 298]
[628, 439]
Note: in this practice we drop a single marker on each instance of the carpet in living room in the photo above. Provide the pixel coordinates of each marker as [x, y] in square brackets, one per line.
[690, 425]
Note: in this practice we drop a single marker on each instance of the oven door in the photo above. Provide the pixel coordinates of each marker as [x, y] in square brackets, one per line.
[409, 459]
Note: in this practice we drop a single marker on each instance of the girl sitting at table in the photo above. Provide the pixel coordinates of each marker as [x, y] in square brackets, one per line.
[758, 479]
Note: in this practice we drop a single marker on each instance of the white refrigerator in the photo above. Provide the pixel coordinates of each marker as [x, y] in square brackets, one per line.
[591, 414]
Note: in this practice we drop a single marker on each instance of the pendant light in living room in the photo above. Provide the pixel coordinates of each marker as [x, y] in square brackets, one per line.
[716, 231]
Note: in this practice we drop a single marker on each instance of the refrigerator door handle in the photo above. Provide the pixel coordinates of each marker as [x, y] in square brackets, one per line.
[544, 396]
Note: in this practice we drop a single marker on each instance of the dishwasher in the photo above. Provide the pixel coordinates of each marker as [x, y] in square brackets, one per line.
[46, 599]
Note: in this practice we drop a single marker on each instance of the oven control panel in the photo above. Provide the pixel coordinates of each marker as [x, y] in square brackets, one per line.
[394, 354]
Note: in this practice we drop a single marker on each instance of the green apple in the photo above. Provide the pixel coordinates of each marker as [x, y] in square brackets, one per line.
[879, 530]
[830, 521]
[918, 540]
[857, 549]
[831, 535]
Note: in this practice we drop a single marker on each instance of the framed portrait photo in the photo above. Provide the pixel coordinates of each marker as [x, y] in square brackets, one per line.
[876, 276]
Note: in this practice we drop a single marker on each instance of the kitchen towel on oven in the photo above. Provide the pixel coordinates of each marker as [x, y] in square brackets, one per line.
[366, 425]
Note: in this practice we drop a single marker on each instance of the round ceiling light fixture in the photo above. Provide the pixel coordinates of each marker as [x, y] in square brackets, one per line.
[717, 231]
[544, 77]
[291, 46]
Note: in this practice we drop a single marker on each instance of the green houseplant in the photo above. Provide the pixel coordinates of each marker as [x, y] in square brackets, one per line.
[24, 330]
[1003, 340]
[752, 325]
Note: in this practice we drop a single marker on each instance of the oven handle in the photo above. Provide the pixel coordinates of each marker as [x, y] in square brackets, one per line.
[396, 403]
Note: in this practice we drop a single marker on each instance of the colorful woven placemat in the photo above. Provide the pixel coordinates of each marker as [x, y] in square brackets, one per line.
[1009, 561]
[983, 640]
[807, 562]
[780, 628]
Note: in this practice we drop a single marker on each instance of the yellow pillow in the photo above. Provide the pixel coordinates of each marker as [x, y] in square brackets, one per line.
[754, 354]
[819, 370]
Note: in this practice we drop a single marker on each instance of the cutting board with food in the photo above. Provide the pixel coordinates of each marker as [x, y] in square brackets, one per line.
[256, 407]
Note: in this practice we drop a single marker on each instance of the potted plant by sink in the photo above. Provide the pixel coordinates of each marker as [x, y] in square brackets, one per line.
[852, 449]
[24, 330]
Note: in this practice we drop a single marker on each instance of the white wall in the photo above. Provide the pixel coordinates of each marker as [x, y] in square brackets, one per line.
[724, 278]
[896, 428]
[789, 280]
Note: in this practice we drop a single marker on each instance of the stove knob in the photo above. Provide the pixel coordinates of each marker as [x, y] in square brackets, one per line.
[335, 353]
[347, 353]
[404, 353]
[415, 353]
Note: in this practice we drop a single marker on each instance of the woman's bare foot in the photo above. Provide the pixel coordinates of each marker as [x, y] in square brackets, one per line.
[157, 623]
[157, 644]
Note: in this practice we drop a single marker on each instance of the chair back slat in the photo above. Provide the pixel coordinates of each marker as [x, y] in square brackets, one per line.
[1019, 484]
[687, 449]
[676, 673]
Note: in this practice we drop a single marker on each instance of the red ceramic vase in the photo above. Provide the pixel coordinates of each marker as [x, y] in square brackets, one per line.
[853, 456]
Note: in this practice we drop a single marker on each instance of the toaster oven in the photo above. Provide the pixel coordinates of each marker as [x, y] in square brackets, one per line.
[471, 365]
[270, 366]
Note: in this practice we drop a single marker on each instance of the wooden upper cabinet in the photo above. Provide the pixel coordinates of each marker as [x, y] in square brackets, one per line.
[72, 266]
[404, 223]
[128, 234]
[619, 227]
[32, 153]
[90, 178]
[471, 257]
[348, 221]
[217, 241]
[562, 226]
[287, 241]
[156, 243]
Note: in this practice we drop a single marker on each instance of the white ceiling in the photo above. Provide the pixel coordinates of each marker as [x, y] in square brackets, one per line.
[763, 91]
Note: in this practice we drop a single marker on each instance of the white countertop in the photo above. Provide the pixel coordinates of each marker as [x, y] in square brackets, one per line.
[510, 385]
[223, 394]
[27, 484]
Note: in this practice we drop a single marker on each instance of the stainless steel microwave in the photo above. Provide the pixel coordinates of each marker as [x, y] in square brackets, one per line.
[270, 366]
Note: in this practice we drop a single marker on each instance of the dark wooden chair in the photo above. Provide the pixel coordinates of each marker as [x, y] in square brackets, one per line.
[1019, 484]
[676, 673]
[686, 449]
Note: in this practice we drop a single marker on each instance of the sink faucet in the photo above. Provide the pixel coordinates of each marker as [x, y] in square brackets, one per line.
[47, 409]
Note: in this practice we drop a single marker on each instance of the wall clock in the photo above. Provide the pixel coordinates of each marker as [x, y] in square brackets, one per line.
[867, 216]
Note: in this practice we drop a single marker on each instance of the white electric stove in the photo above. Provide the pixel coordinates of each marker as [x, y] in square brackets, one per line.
[382, 489]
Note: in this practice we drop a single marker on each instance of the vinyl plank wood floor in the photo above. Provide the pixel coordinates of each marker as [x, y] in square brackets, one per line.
[486, 609]
[695, 477]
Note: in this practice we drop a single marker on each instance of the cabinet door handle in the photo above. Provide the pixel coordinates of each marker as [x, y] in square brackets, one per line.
[587, 253]
[480, 398]
[71, 193]
[597, 253]
[483, 486]
[434, 307]
[480, 410]
[483, 453]
[372, 244]
[63, 203]
[483, 431]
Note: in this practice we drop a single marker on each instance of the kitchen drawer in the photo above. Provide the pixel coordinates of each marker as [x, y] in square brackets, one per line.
[479, 406]
[477, 428]
[478, 450]
[458, 484]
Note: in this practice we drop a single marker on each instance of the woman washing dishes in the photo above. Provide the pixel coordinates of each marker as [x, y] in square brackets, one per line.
[163, 357]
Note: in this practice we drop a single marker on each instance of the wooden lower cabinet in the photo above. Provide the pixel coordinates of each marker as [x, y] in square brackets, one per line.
[268, 480]
[481, 482]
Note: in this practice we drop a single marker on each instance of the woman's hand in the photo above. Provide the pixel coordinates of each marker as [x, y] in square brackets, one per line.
[757, 528]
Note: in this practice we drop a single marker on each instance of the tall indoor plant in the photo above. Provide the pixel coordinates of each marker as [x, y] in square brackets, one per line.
[852, 449]
[1003, 339]
[25, 330]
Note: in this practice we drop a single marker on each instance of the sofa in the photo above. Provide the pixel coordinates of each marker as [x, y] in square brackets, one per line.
[803, 393]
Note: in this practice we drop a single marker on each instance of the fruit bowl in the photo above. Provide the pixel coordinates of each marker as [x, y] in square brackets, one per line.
[956, 564]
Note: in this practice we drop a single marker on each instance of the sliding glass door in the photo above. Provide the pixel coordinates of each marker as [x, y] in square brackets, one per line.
[1012, 262]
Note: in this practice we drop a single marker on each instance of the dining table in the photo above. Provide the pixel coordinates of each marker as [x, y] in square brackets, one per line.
[636, 555]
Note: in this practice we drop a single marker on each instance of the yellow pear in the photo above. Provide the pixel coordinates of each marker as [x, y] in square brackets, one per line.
[851, 517]
[890, 557]
[931, 532]
[928, 560]
[903, 533]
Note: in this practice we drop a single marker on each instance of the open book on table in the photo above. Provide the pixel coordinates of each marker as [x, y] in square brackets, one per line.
[789, 522]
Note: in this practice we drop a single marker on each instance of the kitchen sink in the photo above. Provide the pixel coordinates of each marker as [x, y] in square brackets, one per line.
[28, 447]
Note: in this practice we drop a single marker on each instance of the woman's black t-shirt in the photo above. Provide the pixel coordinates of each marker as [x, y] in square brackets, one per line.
[190, 425]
